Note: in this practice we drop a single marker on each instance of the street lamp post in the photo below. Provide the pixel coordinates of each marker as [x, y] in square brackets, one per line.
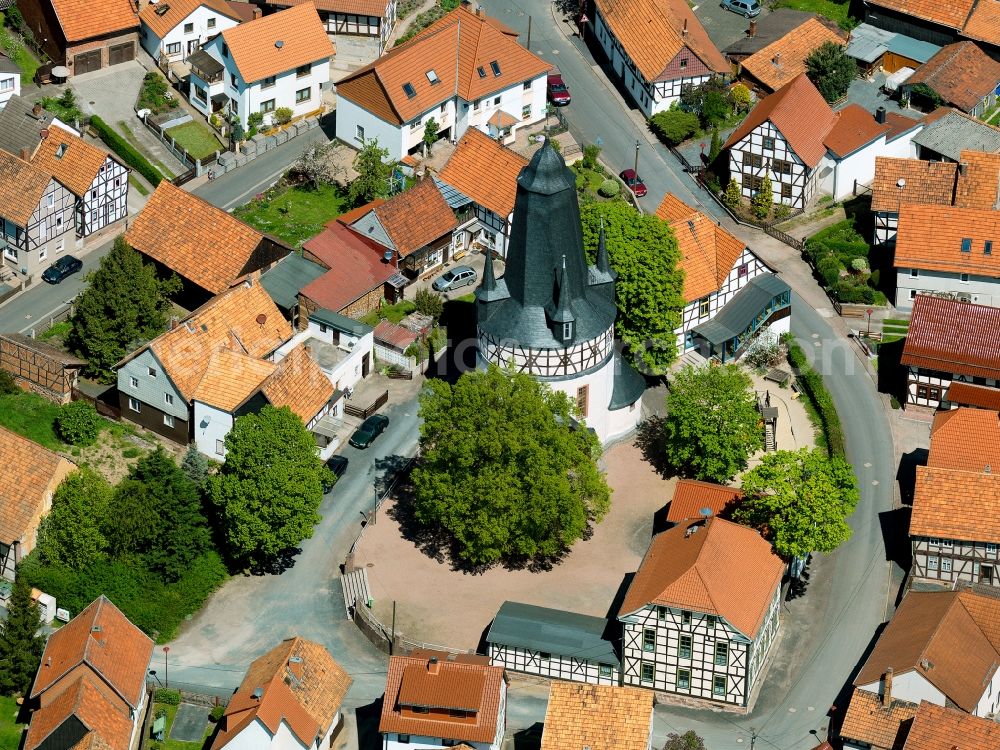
[166, 666]
[637, 159]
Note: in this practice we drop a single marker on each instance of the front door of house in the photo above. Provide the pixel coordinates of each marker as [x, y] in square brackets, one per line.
[365, 365]
[192, 48]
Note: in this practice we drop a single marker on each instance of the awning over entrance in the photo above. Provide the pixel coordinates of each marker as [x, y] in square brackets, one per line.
[747, 311]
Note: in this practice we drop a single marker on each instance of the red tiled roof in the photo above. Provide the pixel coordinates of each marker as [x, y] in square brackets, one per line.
[931, 237]
[799, 113]
[783, 59]
[395, 335]
[416, 217]
[869, 720]
[720, 568]
[964, 438]
[82, 698]
[435, 681]
[485, 171]
[691, 496]
[950, 14]
[355, 268]
[349, 217]
[954, 337]
[163, 22]
[855, 127]
[954, 504]
[106, 641]
[984, 22]
[79, 19]
[939, 728]
[960, 73]
[979, 396]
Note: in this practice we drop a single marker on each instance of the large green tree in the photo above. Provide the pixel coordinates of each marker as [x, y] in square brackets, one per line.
[20, 644]
[268, 491]
[831, 70]
[503, 469]
[373, 173]
[687, 741]
[71, 534]
[125, 303]
[800, 500]
[650, 288]
[712, 424]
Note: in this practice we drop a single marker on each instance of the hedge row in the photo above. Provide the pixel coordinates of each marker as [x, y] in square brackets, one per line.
[124, 149]
[812, 383]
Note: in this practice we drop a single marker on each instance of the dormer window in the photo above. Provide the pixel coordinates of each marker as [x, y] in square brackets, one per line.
[482, 71]
[966, 245]
[409, 90]
[61, 150]
[432, 76]
[567, 331]
[495, 67]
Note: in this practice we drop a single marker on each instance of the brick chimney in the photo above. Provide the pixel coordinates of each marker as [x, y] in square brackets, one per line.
[684, 31]
[776, 59]
[887, 687]
[752, 31]
[256, 12]
[433, 665]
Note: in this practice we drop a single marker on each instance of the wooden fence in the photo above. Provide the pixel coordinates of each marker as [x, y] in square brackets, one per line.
[103, 407]
[364, 413]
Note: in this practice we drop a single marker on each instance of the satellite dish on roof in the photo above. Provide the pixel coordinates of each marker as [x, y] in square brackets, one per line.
[387, 256]
[900, 183]
[705, 512]
[279, 44]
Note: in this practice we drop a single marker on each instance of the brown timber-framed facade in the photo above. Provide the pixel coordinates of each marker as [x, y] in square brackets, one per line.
[764, 152]
[106, 202]
[955, 561]
[31, 248]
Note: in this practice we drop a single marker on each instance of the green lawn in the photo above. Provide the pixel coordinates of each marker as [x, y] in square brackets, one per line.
[294, 214]
[835, 11]
[32, 416]
[22, 56]
[392, 313]
[169, 744]
[197, 139]
[10, 731]
[58, 331]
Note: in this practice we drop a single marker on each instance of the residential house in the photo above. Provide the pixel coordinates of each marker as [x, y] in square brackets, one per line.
[946, 133]
[39, 367]
[937, 727]
[433, 698]
[552, 643]
[273, 62]
[365, 19]
[157, 382]
[950, 342]
[172, 30]
[778, 63]
[463, 71]
[90, 688]
[10, 79]
[290, 698]
[656, 48]
[34, 474]
[940, 647]
[952, 531]
[701, 614]
[358, 277]
[22, 124]
[74, 35]
[207, 247]
[97, 179]
[601, 717]
[973, 182]
[482, 177]
[961, 75]
[727, 288]
[947, 251]
[940, 23]
[794, 138]
[764, 30]
[414, 228]
[693, 499]
[37, 215]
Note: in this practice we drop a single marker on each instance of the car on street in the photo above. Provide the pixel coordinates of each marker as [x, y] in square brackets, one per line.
[634, 182]
[746, 8]
[65, 266]
[337, 465]
[370, 429]
[454, 278]
[557, 90]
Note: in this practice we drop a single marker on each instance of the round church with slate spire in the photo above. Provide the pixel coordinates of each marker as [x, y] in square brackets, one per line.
[552, 315]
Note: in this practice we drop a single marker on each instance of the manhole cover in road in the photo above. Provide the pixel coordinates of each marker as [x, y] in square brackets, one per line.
[874, 483]
[370, 565]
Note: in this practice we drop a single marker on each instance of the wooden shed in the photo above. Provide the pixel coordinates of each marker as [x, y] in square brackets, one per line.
[39, 367]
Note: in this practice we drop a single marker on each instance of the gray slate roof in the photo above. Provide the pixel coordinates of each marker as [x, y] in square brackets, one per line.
[629, 385]
[740, 311]
[453, 197]
[552, 631]
[284, 281]
[19, 127]
[546, 242]
[7, 65]
[954, 133]
[770, 28]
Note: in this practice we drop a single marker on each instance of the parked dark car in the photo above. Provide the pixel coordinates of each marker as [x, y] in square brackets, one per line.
[337, 465]
[454, 278]
[634, 182]
[370, 429]
[558, 91]
[65, 266]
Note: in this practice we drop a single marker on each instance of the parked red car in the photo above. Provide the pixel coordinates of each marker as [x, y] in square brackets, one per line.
[634, 182]
[558, 92]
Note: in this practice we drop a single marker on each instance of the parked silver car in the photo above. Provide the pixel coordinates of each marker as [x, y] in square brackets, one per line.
[454, 278]
[747, 8]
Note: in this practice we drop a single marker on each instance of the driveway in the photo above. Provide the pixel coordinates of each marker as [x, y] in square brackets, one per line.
[110, 93]
[723, 26]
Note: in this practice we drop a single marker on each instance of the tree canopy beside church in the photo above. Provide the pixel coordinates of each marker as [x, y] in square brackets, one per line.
[504, 470]
[650, 288]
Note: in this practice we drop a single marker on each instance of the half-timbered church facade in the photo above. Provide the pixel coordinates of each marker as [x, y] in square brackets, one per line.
[701, 614]
[551, 315]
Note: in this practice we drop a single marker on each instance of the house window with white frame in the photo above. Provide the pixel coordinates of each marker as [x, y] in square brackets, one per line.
[168, 420]
[932, 562]
[722, 654]
[50, 200]
[133, 381]
[134, 405]
[168, 399]
[220, 447]
[43, 253]
[210, 23]
[6, 84]
[60, 245]
[174, 48]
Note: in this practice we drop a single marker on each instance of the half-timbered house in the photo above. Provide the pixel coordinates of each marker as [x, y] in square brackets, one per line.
[552, 643]
[701, 614]
[40, 367]
[950, 342]
[717, 268]
[36, 216]
[480, 182]
[371, 19]
[795, 139]
[972, 182]
[656, 48]
[207, 247]
[97, 179]
[551, 315]
[597, 717]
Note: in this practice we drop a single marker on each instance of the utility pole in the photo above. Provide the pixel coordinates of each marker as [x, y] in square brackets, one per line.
[528, 45]
[166, 666]
[637, 159]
